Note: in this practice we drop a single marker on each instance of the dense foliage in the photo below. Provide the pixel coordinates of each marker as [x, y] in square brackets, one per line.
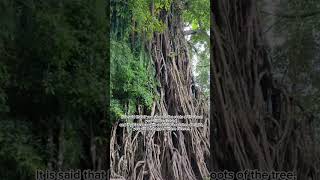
[132, 80]
[132, 75]
[53, 76]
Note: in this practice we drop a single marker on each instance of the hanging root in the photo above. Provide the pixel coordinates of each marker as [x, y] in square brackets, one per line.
[259, 125]
[166, 155]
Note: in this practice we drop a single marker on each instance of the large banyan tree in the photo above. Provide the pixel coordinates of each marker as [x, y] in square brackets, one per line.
[259, 125]
[165, 155]
[254, 122]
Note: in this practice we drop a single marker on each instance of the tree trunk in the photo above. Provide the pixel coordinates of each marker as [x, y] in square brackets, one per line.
[61, 143]
[166, 155]
[50, 148]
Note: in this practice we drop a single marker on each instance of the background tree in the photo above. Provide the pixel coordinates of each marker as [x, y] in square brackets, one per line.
[54, 82]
